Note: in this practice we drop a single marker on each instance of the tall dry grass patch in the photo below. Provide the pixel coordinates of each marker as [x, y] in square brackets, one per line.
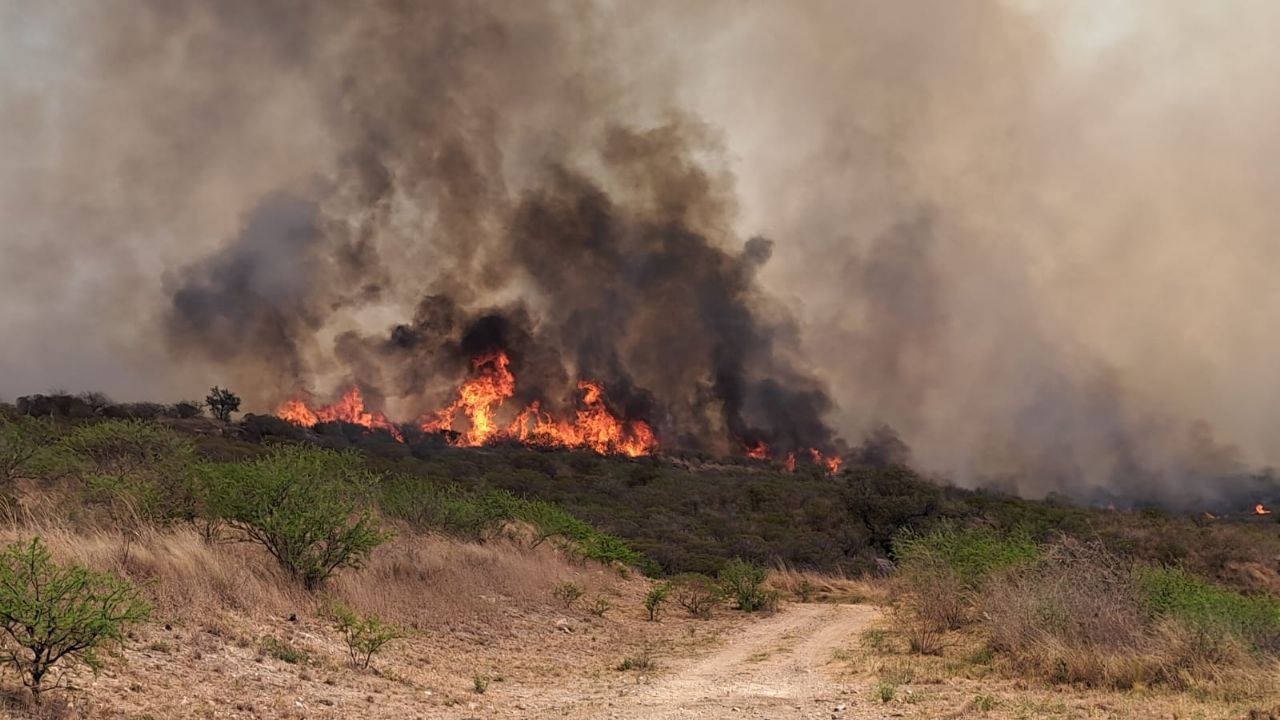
[1074, 612]
[1072, 617]
[433, 582]
[1079, 617]
[422, 581]
[185, 576]
[809, 586]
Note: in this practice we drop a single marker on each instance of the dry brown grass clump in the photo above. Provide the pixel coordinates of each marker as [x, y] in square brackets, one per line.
[809, 586]
[1076, 617]
[421, 581]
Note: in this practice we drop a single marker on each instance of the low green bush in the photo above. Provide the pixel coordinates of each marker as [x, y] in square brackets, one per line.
[655, 599]
[697, 594]
[138, 469]
[53, 614]
[1173, 593]
[567, 593]
[475, 514]
[972, 554]
[31, 448]
[310, 508]
[743, 582]
[365, 636]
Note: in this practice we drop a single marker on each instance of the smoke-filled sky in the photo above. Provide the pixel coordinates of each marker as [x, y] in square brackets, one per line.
[1036, 238]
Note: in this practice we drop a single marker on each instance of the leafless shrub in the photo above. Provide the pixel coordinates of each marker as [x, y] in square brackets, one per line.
[1077, 617]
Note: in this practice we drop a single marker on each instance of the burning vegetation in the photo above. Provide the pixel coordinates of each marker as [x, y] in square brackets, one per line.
[479, 415]
[475, 417]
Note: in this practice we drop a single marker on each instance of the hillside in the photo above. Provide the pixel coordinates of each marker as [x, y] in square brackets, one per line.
[521, 582]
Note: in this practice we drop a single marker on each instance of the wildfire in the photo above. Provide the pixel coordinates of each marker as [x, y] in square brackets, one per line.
[481, 399]
[1261, 509]
[478, 398]
[349, 408]
[760, 451]
[593, 426]
[832, 464]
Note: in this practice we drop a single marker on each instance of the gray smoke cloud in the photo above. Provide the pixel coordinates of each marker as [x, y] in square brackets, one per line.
[1034, 239]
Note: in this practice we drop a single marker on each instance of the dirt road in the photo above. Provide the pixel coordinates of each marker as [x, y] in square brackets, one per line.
[774, 669]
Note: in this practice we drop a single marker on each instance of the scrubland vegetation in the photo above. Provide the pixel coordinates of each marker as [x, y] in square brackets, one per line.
[1074, 611]
[152, 511]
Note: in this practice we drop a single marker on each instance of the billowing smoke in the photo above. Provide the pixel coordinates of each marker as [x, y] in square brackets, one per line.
[1035, 242]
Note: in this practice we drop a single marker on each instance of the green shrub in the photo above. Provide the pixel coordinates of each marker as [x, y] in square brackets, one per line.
[444, 507]
[972, 554]
[805, 590]
[1172, 592]
[643, 661]
[364, 636]
[600, 606]
[696, 593]
[138, 468]
[886, 692]
[30, 448]
[567, 593]
[308, 507]
[187, 409]
[743, 582]
[283, 650]
[474, 515]
[656, 598]
[53, 613]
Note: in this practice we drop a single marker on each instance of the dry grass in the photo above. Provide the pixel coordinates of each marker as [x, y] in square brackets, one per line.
[435, 583]
[233, 636]
[967, 681]
[424, 582]
[808, 586]
[1076, 618]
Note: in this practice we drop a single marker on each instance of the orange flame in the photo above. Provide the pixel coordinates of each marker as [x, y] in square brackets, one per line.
[349, 408]
[832, 464]
[760, 451]
[1261, 509]
[594, 426]
[478, 398]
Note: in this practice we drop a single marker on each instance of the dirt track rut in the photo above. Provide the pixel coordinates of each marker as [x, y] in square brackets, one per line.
[774, 669]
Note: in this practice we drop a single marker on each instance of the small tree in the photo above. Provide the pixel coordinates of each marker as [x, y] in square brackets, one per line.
[307, 506]
[364, 636]
[567, 593]
[187, 409]
[222, 402]
[139, 469]
[696, 593]
[744, 583]
[51, 612]
[30, 448]
[656, 597]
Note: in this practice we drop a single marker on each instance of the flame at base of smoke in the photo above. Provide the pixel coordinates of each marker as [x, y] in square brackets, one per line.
[481, 399]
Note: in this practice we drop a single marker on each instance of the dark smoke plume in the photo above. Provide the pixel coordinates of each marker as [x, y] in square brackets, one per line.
[630, 274]
[1026, 236]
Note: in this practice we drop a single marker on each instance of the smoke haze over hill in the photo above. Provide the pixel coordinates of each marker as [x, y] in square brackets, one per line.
[1037, 242]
